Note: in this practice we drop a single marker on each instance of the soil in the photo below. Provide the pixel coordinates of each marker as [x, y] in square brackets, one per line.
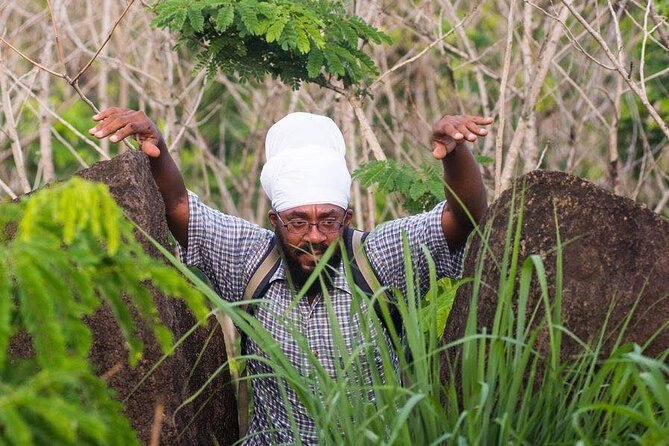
[615, 259]
[212, 417]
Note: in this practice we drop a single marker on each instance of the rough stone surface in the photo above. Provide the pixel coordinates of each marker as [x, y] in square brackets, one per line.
[212, 417]
[615, 253]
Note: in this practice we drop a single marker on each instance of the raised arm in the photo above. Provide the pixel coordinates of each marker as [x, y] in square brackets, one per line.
[121, 123]
[461, 173]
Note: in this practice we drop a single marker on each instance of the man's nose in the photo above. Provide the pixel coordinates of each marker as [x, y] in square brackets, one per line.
[314, 235]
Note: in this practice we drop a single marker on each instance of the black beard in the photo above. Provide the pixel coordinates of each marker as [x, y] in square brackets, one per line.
[298, 276]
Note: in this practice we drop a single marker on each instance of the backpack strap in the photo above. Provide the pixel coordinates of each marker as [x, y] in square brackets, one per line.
[256, 288]
[363, 276]
[367, 280]
[260, 278]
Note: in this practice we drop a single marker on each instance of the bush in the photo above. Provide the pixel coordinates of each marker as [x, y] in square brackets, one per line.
[65, 251]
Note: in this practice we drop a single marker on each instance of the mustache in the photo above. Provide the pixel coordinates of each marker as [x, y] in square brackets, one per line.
[319, 248]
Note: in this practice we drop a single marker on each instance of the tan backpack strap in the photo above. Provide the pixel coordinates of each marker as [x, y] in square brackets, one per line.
[258, 280]
[261, 274]
[362, 261]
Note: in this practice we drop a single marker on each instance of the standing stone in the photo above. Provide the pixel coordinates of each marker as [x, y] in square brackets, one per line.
[212, 417]
[615, 257]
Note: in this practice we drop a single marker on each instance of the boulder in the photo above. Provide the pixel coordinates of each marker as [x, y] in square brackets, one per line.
[212, 417]
[615, 259]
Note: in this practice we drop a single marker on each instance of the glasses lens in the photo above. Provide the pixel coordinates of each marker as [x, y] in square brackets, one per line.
[328, 226]
[301, 227]
[297, 226]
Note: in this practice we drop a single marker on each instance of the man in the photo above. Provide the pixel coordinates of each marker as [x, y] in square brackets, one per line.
[308, 185]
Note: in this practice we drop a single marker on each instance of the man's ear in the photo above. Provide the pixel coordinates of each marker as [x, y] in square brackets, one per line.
[271, 215]
[349, 216]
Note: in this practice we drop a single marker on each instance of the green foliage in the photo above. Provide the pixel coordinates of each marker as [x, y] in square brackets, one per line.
[305, 40]
[421, 188]
[72, 250]
[435, 314]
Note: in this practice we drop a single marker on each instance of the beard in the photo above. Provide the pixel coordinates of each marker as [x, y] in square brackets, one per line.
[298, 275]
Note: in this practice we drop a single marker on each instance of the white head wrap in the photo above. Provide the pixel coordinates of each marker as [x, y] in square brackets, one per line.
[305, 163]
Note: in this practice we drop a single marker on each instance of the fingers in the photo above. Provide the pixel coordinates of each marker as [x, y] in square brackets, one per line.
[461, 127]
[442, 147]
[112, 120]
[446, 128]
[121, 123]
[150, 149]
[129, 129]
[481, 120]
[108, 112]
[439, 151]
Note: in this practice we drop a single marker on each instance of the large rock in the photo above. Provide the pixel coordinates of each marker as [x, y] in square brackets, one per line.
[212, 417]
[616, 256]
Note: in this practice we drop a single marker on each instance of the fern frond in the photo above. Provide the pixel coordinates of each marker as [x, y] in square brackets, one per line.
[296, 36]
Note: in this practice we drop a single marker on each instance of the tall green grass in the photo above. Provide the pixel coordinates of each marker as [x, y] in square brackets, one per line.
[504, 389]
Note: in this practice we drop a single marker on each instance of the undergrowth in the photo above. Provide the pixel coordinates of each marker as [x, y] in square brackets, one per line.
[72, 250]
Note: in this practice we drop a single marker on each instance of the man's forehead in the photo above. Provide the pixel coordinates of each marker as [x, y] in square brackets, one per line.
[314, 210]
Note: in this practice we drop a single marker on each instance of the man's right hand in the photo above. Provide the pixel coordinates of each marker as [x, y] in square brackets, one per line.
[122, 122]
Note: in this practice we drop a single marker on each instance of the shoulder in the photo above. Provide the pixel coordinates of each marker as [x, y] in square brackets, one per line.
[419, 228]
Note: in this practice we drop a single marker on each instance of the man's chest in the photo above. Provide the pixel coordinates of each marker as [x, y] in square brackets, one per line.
[326, 334]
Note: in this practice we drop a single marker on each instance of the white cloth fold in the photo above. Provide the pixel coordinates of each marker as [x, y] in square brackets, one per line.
[305, 163]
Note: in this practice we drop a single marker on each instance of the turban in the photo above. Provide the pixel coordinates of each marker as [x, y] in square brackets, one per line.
[305, 163]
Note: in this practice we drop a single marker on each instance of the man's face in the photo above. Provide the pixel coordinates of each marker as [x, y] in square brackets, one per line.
[306, 232]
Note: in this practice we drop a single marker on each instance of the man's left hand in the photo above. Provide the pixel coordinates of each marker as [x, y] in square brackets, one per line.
[452, 130]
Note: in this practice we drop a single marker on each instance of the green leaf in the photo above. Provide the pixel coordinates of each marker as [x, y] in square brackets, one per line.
[314, 63]
[224, 17]
[334, 63]
[14, 427]
[483, 160]
[248, 13]
[290, 33]
[418, 188]
[275, 29]
[6, 308]
[302, 40]
[196, 19]
[179, 20]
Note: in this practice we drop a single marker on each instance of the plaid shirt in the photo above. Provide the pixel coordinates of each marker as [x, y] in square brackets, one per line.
[229, 249]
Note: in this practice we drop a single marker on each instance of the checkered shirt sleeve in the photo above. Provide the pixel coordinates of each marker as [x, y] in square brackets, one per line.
[384, 250]
[223, 247]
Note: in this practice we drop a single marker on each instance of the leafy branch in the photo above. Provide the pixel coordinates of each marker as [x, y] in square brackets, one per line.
[313, 41]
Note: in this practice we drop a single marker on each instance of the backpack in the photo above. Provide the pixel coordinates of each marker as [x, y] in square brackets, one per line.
[363, 277]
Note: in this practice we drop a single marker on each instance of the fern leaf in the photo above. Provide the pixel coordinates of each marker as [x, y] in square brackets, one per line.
[38, 313]
[334, 62]
[224, 17]
[248, 13]
[288, 39]
[417, 189]
[179, 20]
[314, 63]
[6, 308]
[275, 29]
[302, 40]
[196, 19]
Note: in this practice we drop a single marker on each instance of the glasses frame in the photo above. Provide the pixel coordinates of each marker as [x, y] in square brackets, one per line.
[309, 225]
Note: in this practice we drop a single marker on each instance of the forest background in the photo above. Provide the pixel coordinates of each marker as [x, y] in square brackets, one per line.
[576, 86]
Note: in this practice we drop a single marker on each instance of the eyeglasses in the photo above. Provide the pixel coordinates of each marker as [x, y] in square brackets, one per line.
[301, 227]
